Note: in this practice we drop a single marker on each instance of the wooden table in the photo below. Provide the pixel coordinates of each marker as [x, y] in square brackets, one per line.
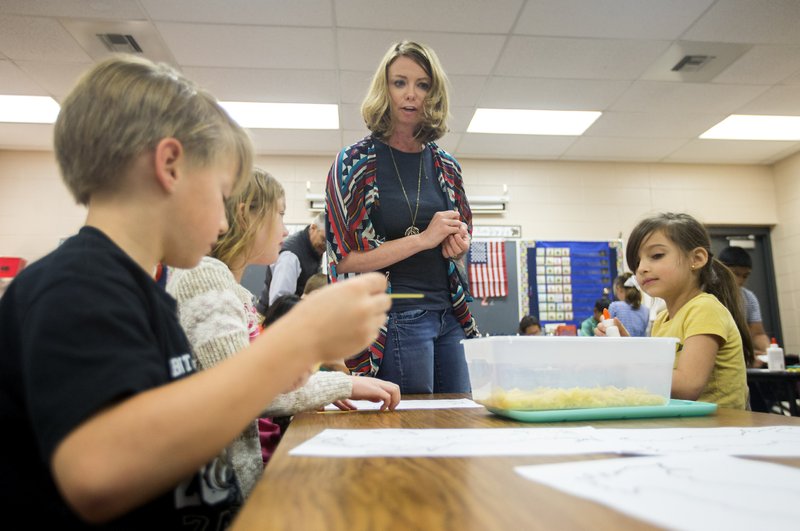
[471, 493]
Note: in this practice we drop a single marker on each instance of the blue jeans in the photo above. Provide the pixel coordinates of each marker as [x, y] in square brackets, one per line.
[424, 353]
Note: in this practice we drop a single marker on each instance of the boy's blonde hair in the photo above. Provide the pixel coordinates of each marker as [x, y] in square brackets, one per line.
[376, 108]
[246, 211]
[122, 108]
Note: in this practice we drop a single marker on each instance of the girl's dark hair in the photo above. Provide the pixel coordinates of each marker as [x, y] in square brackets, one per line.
[528, 320]
[688, 234]
[279, 307]
[632, 294]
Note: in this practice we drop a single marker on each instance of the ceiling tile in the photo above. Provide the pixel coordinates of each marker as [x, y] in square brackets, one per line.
[249, 46]
[757, 21]
[647, 96]
[38, 39]
[578, 58]
[278, 86]
[620, 19]
[605, 148]
[105, 9]
[513, 146]
[732, 151]
[657, 124]
[354, 86]
[14, 81]
[449, 47]
[296, 141]
[763, 65]
[473, 16]
[316, 13]
[780, 100]
[57, 79]
[551, 94]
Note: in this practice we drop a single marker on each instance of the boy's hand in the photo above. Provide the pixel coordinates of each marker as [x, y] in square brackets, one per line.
[343, 318]
[375, 390]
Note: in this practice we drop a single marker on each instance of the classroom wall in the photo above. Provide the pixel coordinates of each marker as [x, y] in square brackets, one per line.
[551, 200]
[786, 249]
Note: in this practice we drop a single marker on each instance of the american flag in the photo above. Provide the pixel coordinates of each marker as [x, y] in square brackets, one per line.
[487, 269]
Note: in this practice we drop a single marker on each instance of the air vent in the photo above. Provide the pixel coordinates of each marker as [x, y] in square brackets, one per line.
[118, 42]
[692, 63]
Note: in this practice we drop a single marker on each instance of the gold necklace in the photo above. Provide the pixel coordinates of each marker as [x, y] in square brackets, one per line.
[413, 229]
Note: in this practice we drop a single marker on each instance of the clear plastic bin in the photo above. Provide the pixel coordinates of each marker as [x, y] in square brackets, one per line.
[544, 373]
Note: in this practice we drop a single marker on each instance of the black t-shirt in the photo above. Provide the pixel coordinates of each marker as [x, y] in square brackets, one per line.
[426, 271]
[81, 329]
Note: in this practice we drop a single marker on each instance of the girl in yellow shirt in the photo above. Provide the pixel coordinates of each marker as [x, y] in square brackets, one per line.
[671, 255]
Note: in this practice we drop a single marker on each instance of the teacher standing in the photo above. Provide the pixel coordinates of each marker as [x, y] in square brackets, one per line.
[396, 203]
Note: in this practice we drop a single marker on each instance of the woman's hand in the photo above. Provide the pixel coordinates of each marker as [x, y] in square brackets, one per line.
[455, 245]
[443, 224]
[375, 390]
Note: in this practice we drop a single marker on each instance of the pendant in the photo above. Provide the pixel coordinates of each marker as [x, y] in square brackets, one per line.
[412, 230]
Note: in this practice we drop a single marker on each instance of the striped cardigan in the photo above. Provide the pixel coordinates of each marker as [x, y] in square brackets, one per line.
[351, 192]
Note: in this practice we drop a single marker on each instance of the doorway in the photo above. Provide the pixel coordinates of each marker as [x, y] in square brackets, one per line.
[756, 241]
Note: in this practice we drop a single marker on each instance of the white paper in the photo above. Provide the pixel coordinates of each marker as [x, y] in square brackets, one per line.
[768, 441]
[450, 442]
[773, 441]
[455, 403]
[686, 492]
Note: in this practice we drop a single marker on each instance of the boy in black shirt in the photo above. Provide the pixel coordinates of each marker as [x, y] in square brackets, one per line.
[104, 418]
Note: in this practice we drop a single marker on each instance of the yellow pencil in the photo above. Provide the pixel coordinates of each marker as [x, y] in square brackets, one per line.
[406, 296]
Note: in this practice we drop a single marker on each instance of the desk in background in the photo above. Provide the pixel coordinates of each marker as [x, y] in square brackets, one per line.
[470, 493]
[774, 391]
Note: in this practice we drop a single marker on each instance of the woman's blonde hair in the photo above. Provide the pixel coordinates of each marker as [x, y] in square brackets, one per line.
[376, 107]
[246, 211]
[123, 107]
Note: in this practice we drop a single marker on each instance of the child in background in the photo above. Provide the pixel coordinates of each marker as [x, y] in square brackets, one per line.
[220, 319]
[589, 324]
[671, 254]
[529, 326]
[314, 282]
[628, 307]
[106, 420]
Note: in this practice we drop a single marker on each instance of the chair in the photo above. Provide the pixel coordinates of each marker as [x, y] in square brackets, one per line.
[774, 391]
[567, 330]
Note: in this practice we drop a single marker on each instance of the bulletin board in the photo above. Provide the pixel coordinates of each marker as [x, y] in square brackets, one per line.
[561, 280]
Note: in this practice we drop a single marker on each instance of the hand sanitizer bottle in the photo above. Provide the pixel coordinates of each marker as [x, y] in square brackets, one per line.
[611, 329]
[775, 361]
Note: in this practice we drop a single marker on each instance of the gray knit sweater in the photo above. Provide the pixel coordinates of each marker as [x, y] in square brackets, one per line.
[219, 319]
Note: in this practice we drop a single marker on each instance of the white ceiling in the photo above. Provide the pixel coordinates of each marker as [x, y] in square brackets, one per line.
[613, 56]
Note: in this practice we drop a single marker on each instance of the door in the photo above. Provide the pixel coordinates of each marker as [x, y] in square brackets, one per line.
[756, 241]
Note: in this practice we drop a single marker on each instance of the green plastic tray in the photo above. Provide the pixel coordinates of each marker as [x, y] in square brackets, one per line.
[674, 408]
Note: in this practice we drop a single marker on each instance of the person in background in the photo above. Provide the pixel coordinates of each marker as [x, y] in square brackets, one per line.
[314, 282]
[396, 204]
[741, 265]
[671, 254]
[219, 317]
[529, 326]
[628, 307]
[590, 323]
[300, 259]
[112, 425]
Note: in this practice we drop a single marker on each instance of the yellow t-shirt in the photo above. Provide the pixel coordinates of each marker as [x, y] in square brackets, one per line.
[704, 314]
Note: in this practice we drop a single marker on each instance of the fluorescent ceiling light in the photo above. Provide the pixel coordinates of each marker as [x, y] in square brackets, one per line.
[28, 109]
[529, 122]
[257, 115]
[756, 127]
